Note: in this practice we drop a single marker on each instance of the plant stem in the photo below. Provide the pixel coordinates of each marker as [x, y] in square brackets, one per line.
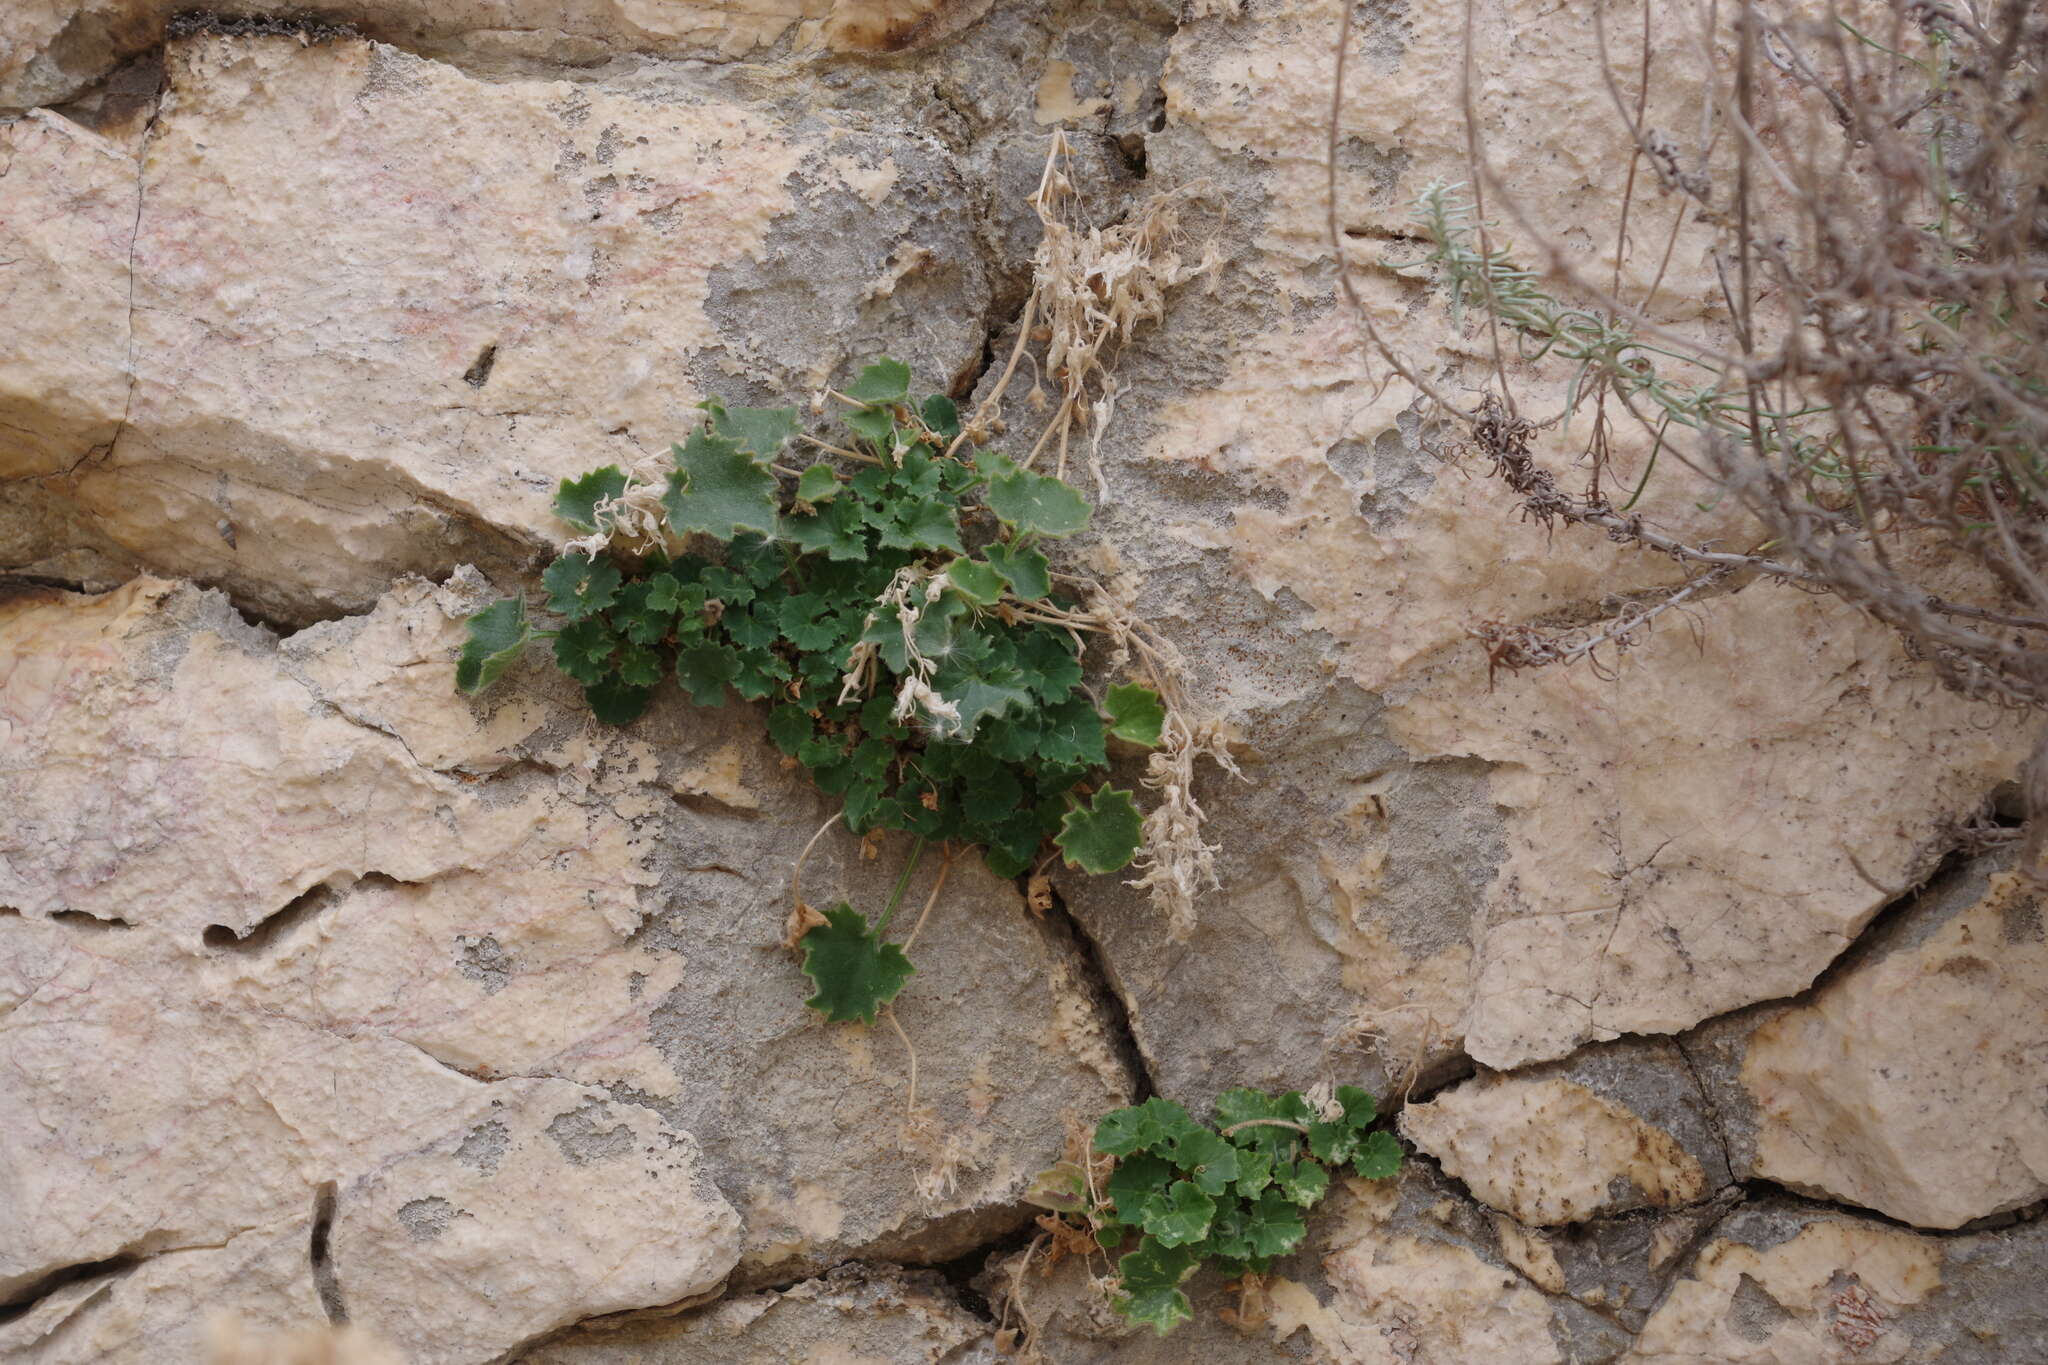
[1266, 1123]
[902, 882]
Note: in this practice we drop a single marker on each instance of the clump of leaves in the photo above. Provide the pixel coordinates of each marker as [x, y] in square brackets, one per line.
[1229, 1195]
[894, 609]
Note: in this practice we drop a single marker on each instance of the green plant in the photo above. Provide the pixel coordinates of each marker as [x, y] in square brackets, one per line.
[935, 688]
[1229, 1195]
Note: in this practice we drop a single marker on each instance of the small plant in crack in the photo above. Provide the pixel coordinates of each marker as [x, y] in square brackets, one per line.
[1175, 1195]
[894, 608]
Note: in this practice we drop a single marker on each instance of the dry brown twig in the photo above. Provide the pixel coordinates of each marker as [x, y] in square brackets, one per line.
[1873, 182]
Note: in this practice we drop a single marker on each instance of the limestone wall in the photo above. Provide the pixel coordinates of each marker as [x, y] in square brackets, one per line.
[329, 994]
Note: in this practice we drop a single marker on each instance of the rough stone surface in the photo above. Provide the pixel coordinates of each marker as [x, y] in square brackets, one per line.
[293, 937]
[1779, 1284]
[1618, 1127]
[870, 1314]
[1909, 1081]
[175, 1084]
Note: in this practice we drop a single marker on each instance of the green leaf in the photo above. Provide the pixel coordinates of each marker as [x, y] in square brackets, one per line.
[1053, 656]
[789, 727]
[835, 530]
[1026, 571]
[719, 489]
[885, 381]
[819, 483]
[1071, 735]
[579, 586]
[1302, 1182]
[1135, 1180]
[760, 671]
[876, 426]
[584, 649]
[757, 627]
[989, 799]
[855, 972]
[576, 499]
[1151, 1278]
[1154, 1125]
[1254, 1168]
[1135, 714]
[1379, 1157]
[498, 635]
[924, 524]
[665, 592]
[1359, 1108]
[1063, 1189]
[615, 701]
[1276, 1226]
[1101, 836]
[764, 431]
[805, 620]
[639, 666]
[1180, 1216]
[941, 415]
[1207, 1159]
[975, 581]
[1035, 502]
[1234, 1107]
[704, 670]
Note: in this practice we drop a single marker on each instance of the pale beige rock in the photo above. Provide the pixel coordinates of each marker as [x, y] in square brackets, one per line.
[363, 346]
[1549, 1151]
[1911, 1084]
[607, 1207]
[69, 199]
[1827, 1296]
[215, 749]
[857, 1315]
[49, 49]
[1652, 850]
[171, 1306]
[392, 991]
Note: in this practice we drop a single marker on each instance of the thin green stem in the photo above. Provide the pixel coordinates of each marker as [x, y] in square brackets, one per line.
[902, 882]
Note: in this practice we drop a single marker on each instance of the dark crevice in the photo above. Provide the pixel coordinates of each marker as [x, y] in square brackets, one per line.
[88, 922]
[200, 23]
[479, 373]
[321, 1251]
[963, 1270]
[28, 1298]
[1756, 1187]
[1110, 1005]
[272, 928]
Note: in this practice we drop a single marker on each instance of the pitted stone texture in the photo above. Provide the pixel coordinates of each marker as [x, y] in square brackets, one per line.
[51, 49]
[625, 1222]
[67, 211]
[871, 1314]
[166, 772]
[1781, 1284]
[1909, 1081]
[166, 1308]
[362, 346]
[174, 1085]
[1574, 858]
[1615, 1128]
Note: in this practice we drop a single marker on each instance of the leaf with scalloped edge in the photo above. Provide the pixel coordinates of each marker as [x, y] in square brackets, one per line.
[1150, 1280]
[1153, 1126]
[1379, 1156]
[1103, 835]
[719, 489]
[576, 500]
[704, 670]
[616, 701]
[498, 635]
[1027, 571]
[819, 483]
[975, 581]
[1135, 714]
[885, 381]
[764, 431]
[1034, 502]
[579, 586]
[854, 971]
